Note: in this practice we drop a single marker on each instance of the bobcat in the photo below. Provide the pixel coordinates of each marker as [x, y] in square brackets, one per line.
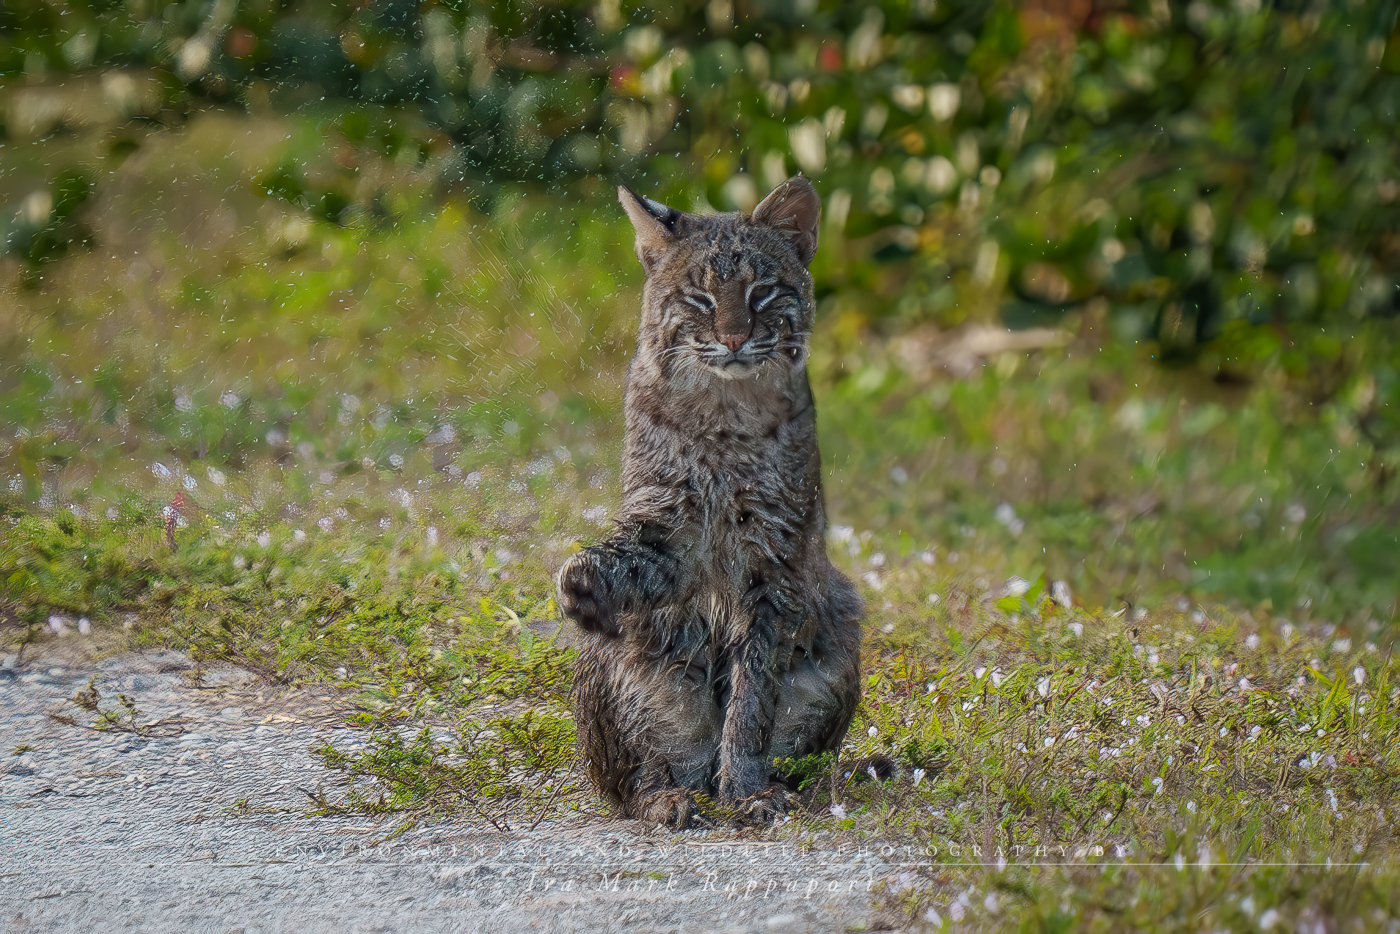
[718, 635]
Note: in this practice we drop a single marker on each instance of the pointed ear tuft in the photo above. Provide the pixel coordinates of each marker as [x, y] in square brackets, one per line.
[654, 223]
[793, 210]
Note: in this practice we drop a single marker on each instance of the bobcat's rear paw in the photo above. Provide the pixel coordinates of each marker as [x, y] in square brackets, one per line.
[767, 805]
[580, 597]
[674, 808]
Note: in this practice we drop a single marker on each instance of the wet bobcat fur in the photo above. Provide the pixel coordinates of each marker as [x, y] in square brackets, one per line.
[718, 636]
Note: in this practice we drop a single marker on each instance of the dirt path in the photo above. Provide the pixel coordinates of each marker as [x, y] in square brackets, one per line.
[204, 831]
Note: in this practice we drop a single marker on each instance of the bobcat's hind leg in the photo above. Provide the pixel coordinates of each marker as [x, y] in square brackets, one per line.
[649, 732]
[816, 701]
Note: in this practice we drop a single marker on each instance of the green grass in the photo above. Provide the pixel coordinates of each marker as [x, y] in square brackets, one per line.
[354, 455]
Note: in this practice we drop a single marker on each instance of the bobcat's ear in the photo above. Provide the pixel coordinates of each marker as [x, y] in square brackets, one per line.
[793, 210]
[654, 223]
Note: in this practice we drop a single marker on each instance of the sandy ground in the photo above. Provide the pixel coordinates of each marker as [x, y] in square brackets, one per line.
[206, 831]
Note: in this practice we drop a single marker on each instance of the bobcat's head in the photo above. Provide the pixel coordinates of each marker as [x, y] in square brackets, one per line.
[727, 296]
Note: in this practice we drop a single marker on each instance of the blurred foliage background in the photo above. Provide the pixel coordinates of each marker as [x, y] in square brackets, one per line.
[1202, 167]
[1108, 286]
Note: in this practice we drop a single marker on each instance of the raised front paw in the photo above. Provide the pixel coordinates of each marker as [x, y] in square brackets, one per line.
[582, 596]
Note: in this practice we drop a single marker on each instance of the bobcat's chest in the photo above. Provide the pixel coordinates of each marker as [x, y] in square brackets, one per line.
[751, 498]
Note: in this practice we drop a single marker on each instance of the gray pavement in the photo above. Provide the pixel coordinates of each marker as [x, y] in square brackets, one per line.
[206, 831]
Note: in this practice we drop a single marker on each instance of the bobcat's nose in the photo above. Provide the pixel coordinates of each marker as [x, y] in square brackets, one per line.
[732, 341]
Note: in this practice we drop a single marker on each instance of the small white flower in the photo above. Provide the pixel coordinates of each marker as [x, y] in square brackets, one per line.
[918, 777]
[1247, 905]
[978, 672]
[933, 918]
[990, 902]
[1180, 861]
[1251, 641]
[838, 811]
[1049, 741]
[298, 535]
[1268, 919]
[1016, 586]
[1191, 806]
[264, 539]
[932, 598]
[1157, 786]
[956, 911]
[229, 399]
[1331, 799]
[997, 677]
[872, 732]
[1077, 629]
[1358, 674]
[84, 625]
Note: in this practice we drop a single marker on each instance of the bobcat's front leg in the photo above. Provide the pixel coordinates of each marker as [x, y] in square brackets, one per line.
[624, 574]
[754, 671]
